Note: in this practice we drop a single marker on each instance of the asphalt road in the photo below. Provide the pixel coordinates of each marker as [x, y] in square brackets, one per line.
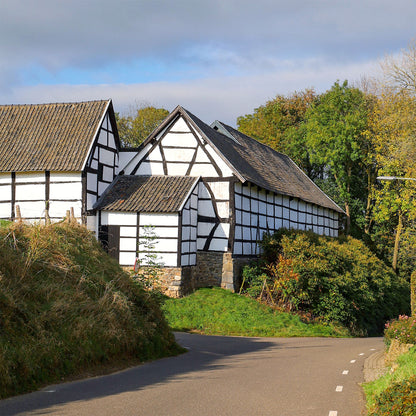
[221, 376]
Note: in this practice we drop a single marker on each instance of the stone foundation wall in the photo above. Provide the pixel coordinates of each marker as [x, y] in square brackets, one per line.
[212, 269]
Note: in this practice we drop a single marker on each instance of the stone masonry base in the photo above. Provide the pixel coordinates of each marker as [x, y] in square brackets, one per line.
[212, 269]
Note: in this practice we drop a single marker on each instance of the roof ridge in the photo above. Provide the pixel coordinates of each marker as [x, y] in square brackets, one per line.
[55, 103]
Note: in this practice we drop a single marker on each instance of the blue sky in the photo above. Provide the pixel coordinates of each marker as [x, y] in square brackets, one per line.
[219, 59]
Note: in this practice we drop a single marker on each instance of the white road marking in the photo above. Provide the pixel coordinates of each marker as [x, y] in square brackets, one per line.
[372, 349]
[49, 391]
[333, 413]
[339, 388]
[345, 372]
[352, 361]
[361, 353]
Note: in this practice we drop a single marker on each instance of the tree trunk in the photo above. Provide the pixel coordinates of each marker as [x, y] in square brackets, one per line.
[396, 243]
[348, 220]
[368, 209]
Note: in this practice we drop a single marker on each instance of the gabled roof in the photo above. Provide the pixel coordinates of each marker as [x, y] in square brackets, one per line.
[147, 193]
[253, 161]
[55, 137]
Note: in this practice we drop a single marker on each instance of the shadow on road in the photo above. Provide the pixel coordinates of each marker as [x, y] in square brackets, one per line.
[205, 353]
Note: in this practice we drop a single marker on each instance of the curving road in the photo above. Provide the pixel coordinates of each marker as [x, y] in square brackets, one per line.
[221, 376]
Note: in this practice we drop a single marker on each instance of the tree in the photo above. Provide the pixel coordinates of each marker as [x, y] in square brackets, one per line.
[133, 130]
[336, 126]
[280, 124]
[394, 124]
[400, 72]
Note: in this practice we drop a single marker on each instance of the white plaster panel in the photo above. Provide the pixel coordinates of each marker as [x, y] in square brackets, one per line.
[111, 141]
[164, 231]
[185, 248]
[221, 190]
[226, 171]
[185, 260]
[179, 155]
[255, 234]
[302, 217]
[91, 200]
[278, 223]
[270, 223]
[206, 209]
[94, 164]
[201, 243]
[30, 192]
[286, 202]
[180, 125]
[177, 169]
[262, 207]
[128, 231]
[238, 201]
[58, 209]
[199, 169]
[222, 231]
[254, 205]
[254, 192]
[65, 177]
[223, 209]
[270, 198]
[270, 209]
[32, 209]
[246, 233]
[5, 210]
[201, 156]
[155, 154]
[238, 248]
[218, 244]
[238, 217]
[127, 259]
[186, 217]
[102, 186]
[5, 193]
[194, 217]
[247, 249]
[202, 191]
[192, 259]
[92, 180]
[127, 244]
[278, 211]
[193, 233]
[5, 178]
[285, 223]
[204, 228]
[245, 190]
[147, 168]
[254, 220]
[106, 157]
[186, 233]
[262, 195]
[30, 177]
[183, 140]
[92, 223]
[262, 221]
[238, 232]
[108, 174]
[169, 259]
[158, 219]
[194, 200]
[118, 218]
[246, 218]
[65, 190]
[293, 203]
[246, 203]
[102, 138]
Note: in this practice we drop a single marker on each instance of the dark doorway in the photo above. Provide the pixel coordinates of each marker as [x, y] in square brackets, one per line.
[109, 236]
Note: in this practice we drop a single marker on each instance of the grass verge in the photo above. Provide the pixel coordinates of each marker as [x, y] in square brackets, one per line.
[405, 370]
[219, 312]
[67, 308]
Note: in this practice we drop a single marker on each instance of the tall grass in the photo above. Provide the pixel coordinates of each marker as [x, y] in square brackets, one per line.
[65, 306]
[219, 312]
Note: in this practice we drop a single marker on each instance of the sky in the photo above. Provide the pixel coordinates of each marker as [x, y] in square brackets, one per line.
[219, 59]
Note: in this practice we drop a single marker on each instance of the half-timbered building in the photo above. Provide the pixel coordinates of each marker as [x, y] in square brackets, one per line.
[210, 192]
[56, 158]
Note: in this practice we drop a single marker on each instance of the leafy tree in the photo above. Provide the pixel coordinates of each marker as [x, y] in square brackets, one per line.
[280, 124]
[336, 136]
[134, 129]
[393, 122]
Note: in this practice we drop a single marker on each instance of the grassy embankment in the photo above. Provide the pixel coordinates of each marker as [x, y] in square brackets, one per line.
[219, 312]
[67, 308]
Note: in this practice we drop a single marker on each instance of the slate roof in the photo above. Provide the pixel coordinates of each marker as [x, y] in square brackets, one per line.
[260, 164]
[146, 193]
[55, 137]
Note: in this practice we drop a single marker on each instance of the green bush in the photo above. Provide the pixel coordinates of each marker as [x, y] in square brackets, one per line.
[339, 280]
[402, 330]
[397, 400]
